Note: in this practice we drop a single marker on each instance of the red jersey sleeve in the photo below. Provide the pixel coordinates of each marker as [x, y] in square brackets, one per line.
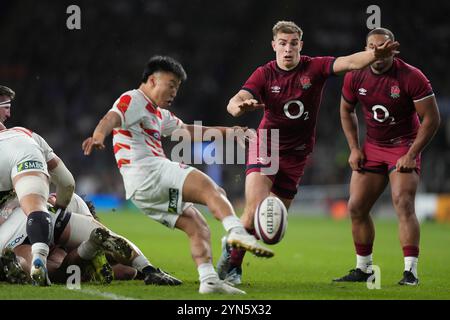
[326, 65]
[417, 85]
[255, 83]
[348, 91]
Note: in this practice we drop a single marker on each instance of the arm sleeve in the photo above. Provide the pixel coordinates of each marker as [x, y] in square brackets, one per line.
[170, 123]
[78, 205]
[46, 149]
[348, 92]
[255, 83]
[65, 184]
[129, 110]
[418, 86]
[325, 64]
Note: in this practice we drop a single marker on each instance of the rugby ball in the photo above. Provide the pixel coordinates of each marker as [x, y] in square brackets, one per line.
[271, 220]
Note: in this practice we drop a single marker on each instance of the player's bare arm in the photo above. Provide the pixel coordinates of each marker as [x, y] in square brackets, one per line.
[243, 102]
[104, 128]
[428, 112]
[362, 59]
[195, 128]
[64, 181]
[349, 121]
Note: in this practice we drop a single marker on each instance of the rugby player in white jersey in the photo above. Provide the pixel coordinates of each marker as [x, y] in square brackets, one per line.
[6, 96]
[26, 164]
[163, 189]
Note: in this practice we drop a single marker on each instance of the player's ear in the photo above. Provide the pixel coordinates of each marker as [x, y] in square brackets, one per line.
[300, 45]
[151, 80]
[273, 45]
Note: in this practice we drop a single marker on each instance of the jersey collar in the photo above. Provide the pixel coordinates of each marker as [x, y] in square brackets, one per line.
[148, 99]
[297, 67]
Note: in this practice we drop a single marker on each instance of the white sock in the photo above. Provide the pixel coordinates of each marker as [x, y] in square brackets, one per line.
[40, 250]
[140, 262]
[364, 263]
[232, 222]
[411, 265]
[87, 250]
[206, 272]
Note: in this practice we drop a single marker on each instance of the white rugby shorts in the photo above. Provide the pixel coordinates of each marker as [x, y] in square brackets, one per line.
[160, 196]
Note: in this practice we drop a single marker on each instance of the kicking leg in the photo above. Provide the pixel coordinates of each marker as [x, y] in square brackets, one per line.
[257, 188]
[199, 188]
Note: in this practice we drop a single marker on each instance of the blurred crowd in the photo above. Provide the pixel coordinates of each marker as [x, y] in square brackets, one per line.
[66, 80]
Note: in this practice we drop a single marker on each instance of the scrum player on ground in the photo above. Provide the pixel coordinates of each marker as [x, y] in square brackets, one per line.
[27, 164]
[84, 239]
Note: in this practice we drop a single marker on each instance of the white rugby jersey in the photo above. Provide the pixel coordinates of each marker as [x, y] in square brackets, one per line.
[14, 132]
[9, 138]
[137, 143]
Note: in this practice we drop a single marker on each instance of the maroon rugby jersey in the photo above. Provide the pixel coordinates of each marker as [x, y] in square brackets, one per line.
[388, 101]
[292, 100]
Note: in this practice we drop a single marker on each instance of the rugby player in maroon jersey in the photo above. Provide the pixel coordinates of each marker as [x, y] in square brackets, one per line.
[289, 89]
[401, 116]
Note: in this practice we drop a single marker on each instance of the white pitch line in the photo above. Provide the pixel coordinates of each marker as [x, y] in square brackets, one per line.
[107, 295]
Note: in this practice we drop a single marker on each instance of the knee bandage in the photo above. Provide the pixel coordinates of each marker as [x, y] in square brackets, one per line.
[27, 185]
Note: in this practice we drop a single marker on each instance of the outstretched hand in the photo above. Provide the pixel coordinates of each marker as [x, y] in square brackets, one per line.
[251, 105]
[387, 49]
[90, 144]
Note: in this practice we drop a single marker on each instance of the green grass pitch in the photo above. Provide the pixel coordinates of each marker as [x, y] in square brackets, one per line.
[314, 251]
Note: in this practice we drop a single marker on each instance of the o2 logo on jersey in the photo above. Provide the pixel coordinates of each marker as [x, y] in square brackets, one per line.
[301, 110]
[381, 114]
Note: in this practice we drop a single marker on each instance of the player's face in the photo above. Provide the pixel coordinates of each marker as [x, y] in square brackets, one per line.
[164, 86]
[5, 112]
[376, 40]
[287, 47]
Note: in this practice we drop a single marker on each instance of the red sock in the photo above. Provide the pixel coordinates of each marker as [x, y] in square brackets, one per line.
[236, 257]
[410, 251]
[363, 249]
[252, 232]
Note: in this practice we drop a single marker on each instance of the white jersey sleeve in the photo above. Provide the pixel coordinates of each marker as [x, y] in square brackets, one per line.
[77, 205]
[169, 123]
[46, 149]
[129, 109]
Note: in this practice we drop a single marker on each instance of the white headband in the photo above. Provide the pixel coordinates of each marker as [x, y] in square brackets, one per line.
[5, 104]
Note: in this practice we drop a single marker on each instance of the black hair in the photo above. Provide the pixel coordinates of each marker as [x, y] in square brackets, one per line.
[5, 91]
[165, 64]
[382, 31]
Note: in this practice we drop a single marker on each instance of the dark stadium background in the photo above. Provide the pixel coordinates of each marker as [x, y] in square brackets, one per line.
[66, 80]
